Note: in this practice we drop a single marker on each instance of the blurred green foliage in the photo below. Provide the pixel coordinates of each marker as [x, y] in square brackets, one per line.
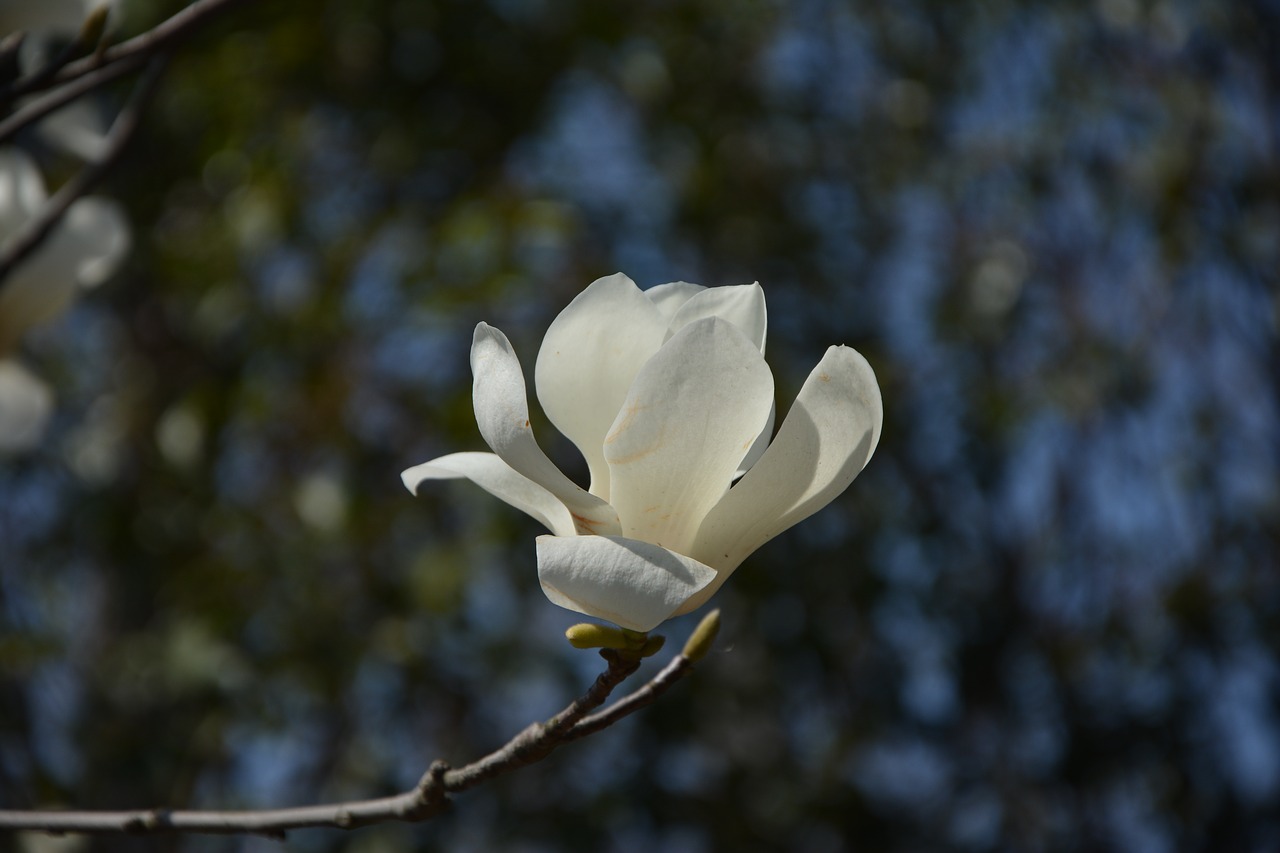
[1043, 618]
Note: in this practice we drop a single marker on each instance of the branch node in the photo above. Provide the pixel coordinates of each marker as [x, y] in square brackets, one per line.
[430, 796]
[147, 821]
[431, 786]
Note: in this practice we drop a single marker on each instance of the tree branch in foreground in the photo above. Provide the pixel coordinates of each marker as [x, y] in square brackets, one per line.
[90, 37]
[155, 40]
[37, 228]
[425, 800]
[36, 110]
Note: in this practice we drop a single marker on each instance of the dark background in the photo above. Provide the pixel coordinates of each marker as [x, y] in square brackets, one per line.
[1047, 615]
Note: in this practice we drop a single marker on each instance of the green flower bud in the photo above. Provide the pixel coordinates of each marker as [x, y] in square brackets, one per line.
[699, 642]
[652, 646]
[586, 635]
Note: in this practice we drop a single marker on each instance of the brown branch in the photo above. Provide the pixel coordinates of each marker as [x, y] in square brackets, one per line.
[539, 739]
[91, 34]
[677, 669]
[37, 229]
[156, 40]
[426, 800]
[10, 47]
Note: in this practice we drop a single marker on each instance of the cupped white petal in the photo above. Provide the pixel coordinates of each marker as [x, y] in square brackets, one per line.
[25, 406]
[670, 296]
[499, 479]
[633, 584]
[828, 436]
[693, 412]
[761, 443]
[588, 358]
[502, 413]
[742, 305]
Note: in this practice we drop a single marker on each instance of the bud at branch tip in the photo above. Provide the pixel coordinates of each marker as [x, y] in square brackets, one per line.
[699, 642]
[95, 25]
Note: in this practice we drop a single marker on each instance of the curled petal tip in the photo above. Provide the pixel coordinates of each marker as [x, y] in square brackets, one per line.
[412, 478]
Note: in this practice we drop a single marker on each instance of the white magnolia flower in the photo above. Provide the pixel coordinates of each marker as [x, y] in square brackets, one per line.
[83, 250]
[667, 395]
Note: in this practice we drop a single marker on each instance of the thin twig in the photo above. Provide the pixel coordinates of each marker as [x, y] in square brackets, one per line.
[539, 739]
[37, 110]
[426, 800]
[677, 669]
[10, 47]
[90, 36]
[37, 229]
[155, 40]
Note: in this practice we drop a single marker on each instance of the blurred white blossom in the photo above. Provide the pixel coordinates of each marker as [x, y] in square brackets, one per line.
[83, 250]
[25, 406]
[39, 18]
[79, 127]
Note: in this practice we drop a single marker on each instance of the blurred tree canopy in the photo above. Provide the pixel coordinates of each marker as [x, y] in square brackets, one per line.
[1044, 618]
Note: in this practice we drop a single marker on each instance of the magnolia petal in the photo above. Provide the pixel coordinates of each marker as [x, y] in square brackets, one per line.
[588, 358]
[633, 584]
[25, 406]
[828, 436]
[669, 297]
[502, 413]
[499, 479]
[693, 412]
[742, 305]
[761, 443]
